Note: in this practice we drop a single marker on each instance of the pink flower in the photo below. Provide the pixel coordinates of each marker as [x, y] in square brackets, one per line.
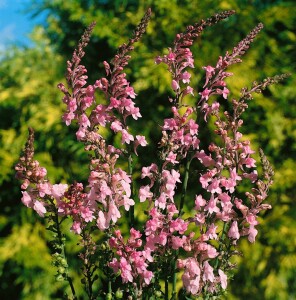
[205, 94]
[214, 186]
[252, 234]
[172, 158]
[223, 279]
[233, 232]
[27, 200]
[58, 190]
[126, 137]
[185, 77]
[76, 227]
[161, 201]
[208, 274]
[68, 117]
[39, 208]
[101, 221]
[177, 242]
[211, 232]
[116, 126]
[126, 270]
[113, 213]
[142, 140]
[211, 206]
[145, 193]
[148, 275]
[199, 202]
[44, 189]
[225, 93]
[175, 85]
[86, 214]
[130, 92]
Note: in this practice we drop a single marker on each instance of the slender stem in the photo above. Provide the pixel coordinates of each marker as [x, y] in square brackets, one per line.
[174, 283]
[109, 286]
[63, 252]
[132, 208]
[225, 225]
[166, 289]
[184, 187]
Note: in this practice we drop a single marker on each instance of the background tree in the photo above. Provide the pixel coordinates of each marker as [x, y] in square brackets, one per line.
[28, 97]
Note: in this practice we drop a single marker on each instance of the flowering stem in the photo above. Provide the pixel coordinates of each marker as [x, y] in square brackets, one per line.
[109, 286]
[174, 276]
[184, 187]
[225, 227]
[132, 208]
[166, 287]
[57, 230]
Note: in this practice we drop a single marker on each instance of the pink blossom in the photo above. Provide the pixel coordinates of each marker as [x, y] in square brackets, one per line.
[199, 202]
[84, 121]
[148, 275]
[101, 221]
[172, 158]
[126, 270]
[185, 77]
[252, 234]
[208, 274]
[58, 190]
[211, 232]
[193, 127]
[142, 140]
[126, 137]
[211, 206]
[116, 126]
[206, 160]
[171, 56]
[145, 193]
[27, 199]
[233, 232]
[169, 124]
[76, 227]
[251, 219]
[39, 208]
[130, 92]
[44, 189]
[188, 90]
[249, 162]
[223, 279]
[214, 186]
[113, 213]
[86, 214]
[68, 117]
[175, 85]
[253, 176]
[205, 94]
[161, 201]
[177, 242]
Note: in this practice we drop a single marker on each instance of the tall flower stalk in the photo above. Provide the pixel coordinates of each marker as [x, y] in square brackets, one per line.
[199, 246]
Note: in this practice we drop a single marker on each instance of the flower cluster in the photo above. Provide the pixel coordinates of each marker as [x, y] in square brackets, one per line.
[133, 262]
[200, 241]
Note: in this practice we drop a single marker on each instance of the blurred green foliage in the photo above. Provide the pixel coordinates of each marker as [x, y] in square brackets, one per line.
[29, 97]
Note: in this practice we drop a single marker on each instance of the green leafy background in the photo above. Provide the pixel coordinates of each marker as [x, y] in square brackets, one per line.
[29, 97]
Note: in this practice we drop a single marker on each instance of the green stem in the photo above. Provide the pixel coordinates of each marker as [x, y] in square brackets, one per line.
[109, 286]
[132, 208]
[61, 242]
[225, 225]
[166, 289]
[174, 283]
[184, 187]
